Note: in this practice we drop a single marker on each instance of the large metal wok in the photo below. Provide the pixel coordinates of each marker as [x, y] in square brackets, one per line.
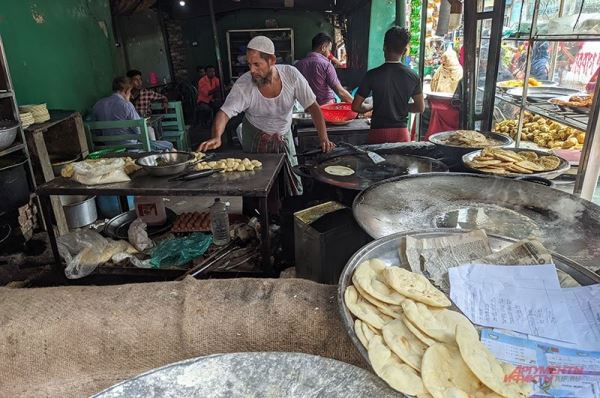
[366, 173]
[564, 223]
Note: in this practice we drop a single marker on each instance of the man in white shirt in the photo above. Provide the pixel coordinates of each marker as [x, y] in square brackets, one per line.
[267, 94]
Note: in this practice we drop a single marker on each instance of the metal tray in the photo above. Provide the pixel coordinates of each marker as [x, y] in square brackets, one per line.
[118, 226]
[387, 249]
[542, 93]
[440, 139]
[561, 169]
[254, 374]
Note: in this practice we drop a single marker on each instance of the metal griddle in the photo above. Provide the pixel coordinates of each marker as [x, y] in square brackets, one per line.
[564, 223]
[366, 173]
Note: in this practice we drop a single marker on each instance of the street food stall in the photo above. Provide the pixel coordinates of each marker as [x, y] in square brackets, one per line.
[463, 263]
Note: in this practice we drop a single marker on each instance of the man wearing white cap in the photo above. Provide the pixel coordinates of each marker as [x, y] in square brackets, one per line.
[267, 94]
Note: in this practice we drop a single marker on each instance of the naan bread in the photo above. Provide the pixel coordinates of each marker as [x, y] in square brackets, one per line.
[403, 343]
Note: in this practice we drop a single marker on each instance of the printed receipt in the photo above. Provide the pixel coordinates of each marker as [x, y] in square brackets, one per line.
[527, 299]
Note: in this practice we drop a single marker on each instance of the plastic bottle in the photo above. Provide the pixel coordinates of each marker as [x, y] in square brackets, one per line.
[219, 223]
[151, 209]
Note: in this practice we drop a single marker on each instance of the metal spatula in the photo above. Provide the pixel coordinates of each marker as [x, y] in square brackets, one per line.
[376, 158]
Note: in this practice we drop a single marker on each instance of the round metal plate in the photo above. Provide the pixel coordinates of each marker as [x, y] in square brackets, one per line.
[387, 249]
[441, 140]
[254, 374]
[561, 169]
[564, 223]
[118, 226]
[367, 173]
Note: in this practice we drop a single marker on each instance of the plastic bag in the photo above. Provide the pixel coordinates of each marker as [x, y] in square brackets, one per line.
[102, 171]
[84, 249]
[180, 251]
[138, 236]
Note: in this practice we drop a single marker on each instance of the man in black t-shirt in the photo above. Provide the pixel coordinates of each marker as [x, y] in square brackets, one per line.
[392, 86]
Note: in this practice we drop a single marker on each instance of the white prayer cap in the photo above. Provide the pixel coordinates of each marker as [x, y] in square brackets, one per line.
[262, 44]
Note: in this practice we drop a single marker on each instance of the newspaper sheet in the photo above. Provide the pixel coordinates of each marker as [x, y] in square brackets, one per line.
[433, 257]
[555, 369]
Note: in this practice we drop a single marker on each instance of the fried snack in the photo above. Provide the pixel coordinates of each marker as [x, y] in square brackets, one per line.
[485, 366]
[446, 375]
[544, 132]
[370, 277]
[414, 286]
[436, 323]
[388, 366]
[364, 311]
[229, 164]
[506, 161]
[575, 101]
[404, 343]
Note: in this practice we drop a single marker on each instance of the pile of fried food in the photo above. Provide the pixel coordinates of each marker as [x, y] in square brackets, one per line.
[504, 161]
[533, 82]
[230, 165]
[575, 101]
[417, 345]
[470, 139]
[543, 132]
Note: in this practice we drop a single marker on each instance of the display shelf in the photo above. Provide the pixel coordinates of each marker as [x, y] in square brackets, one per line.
[575, 120]
[14, 148]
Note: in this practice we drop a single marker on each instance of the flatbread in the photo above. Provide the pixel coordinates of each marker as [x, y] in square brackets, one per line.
[446, 375]
[486, 367]
[549, 163]
[414, 286]
[363, 310]
[395, 311]
[526, 164]
[359, 333]
[528, 155]
[369, 276]
[403, 343]
[342, 171]
[388, 366]
[418, 334]
[439, 324]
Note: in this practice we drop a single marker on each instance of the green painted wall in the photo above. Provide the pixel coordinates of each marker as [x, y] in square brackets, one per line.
[383, 15]
[306, 24]
[59, 51]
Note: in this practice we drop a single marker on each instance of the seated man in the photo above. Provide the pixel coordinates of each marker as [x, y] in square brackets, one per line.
[119, 107]
[209, 100]
[143, 98]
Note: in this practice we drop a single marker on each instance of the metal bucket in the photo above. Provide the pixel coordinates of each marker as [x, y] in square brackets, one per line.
[80, 210]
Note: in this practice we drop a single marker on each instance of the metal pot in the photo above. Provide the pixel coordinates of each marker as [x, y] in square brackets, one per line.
[80, 210]
[60, 161]
[14, 184]
[166, 164]
[8, 133]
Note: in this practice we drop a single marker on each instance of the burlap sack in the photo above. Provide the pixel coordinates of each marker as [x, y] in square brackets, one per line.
[75, 341]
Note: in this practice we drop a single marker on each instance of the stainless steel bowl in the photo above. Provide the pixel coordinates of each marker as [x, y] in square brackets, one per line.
[8, 134]
[166, 164]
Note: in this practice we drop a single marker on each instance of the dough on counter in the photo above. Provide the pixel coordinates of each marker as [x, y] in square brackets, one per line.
[339, 170]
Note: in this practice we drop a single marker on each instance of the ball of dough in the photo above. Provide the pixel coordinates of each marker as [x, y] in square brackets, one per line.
[241, 168]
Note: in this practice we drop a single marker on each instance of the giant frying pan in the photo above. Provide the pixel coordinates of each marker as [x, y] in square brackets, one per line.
[564, 223]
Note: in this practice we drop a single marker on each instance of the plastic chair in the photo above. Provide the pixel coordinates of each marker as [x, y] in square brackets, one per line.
[130, 141]
[173, 126]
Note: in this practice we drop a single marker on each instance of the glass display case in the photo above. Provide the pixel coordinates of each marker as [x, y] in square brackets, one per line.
[544, 90]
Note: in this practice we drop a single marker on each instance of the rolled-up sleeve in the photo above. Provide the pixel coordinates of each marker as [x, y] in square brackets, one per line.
[237, 101]
[302, 90]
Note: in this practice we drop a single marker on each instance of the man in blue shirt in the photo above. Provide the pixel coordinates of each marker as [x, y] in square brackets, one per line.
[119, 107]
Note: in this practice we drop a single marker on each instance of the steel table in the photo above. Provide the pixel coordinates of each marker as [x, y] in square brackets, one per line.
[258, 185]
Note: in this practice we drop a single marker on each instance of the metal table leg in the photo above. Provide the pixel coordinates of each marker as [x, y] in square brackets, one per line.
[46, 205]
[265, 237]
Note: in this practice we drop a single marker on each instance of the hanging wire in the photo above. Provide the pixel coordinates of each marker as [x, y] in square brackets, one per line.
[579, 15]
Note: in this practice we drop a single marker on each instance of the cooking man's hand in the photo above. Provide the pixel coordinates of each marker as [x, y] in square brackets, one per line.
[327, 146]
[213, 143]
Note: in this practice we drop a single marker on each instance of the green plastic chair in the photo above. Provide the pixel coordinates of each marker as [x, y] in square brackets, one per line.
[98, 142]
[173, 125]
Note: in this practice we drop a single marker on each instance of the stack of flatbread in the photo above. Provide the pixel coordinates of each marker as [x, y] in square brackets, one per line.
[417, 345]
[505, 162]
[39, 112]
[469, 138]
[26, 119]
[447, 77]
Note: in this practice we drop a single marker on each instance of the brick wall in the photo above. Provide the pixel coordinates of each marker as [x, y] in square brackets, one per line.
[176, 47]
